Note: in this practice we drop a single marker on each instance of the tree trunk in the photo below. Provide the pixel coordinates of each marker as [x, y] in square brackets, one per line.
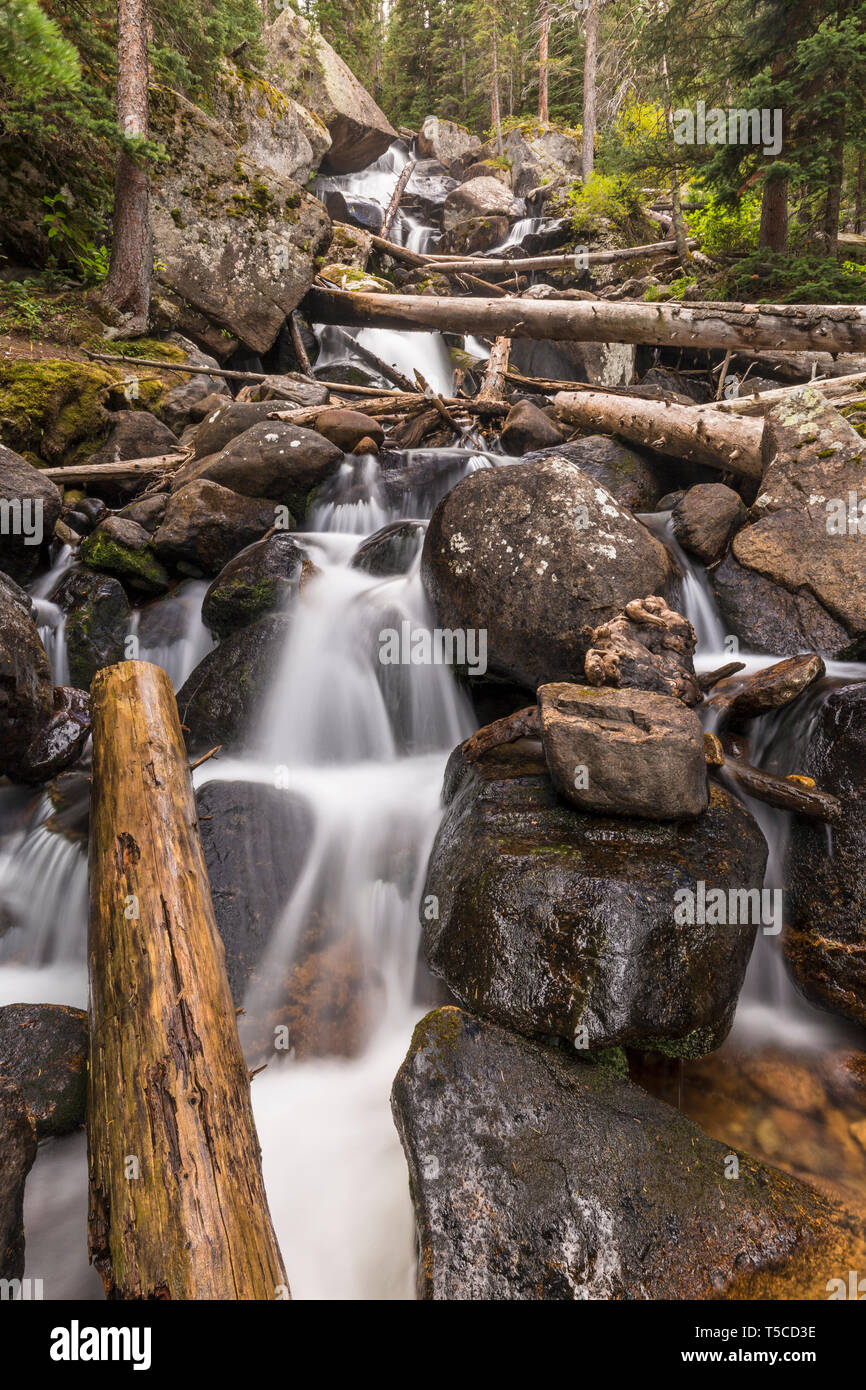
[394, 204]
[833, 201]
[858, 195]
[495, 114]
[727, 442]
[543, 63]
[797, 327]
[177, 1203]
[504, 266]
[494, 378]
[127, 288]
[774, 216]
[590, 69]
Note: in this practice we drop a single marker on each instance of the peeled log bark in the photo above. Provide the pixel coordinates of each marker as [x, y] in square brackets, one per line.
[177, 1203]
[729, 442]
[790, 327]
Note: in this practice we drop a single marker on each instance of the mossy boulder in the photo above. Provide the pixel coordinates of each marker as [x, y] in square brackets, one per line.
[263, 579]
[97, 623]
[274, 131]
[123, 548]
[220, 700]
[52, 411]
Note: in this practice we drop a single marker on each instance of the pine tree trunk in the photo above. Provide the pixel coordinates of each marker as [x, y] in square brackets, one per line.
[543, 56]
[590, 69]
[774, 216]
[127, 288]
[495, 114]
[833, 203]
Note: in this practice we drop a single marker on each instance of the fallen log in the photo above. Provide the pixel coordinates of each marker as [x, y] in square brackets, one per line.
[130, 468]
[783, 792]
[730, 443]
[394, 204]
[496, 372]
[526, 723]
[739, 697]
[830, 387]
[565, 261]
[829, 327]
[177, 1202]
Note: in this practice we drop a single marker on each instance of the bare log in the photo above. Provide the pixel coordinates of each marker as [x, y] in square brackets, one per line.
[795, 327]
[177, 1202]
[730, 443]
[566, 261]
[130, 468]
[493, 384]
[783, 792]
[394, 204]
[831, 388]
[746, 697]
[526, 723]
[304, 362]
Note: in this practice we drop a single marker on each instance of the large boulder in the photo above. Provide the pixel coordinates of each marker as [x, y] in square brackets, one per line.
[123, 548]
[17, 1152]
[272, 459]
[560, 923]
[227, 421]
[825, 937]
[219, 701]
[535, 1176]
[802, 540]
[255, 840]
[624, 752]
[205, 525]
[766, 617]
[543, 156]
[303, 65]
[97, 623]
[533, 554]
[43, 1050]
[232, 240]
[26, 688]
[634, 481]
[274, 131]
[445, 141]
[262, 579]
[29, 508]
[483, 197]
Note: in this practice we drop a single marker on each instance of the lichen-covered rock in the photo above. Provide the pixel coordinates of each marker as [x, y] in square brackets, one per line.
[255, 840]
[26, 687]
[802, 539]
[484, 197]
[17, 1152]
[29, 508]
[705, 518]
[123, 548]
[543, 156]
[825, 938]
[301, 63]
[535, 1176]
[274, 131]
[634, 481]
[560, 923]
[533, 554]
[471, 236]
[219, 701]
[227, 421]
[43, 1050]
[233, 240]
[445, 141]
[205, 525]
[272, 459]
[262, 579]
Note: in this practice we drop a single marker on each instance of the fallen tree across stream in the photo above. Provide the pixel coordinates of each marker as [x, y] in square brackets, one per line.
[177, 1202]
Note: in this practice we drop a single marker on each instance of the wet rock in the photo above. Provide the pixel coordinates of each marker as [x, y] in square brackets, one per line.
[740, 698]
[227, 421]
[803, 539]
[766, 617]
[135, 434]
[262, 579]
[535, 1176]
[445, 141]
[705, 518]
[206, 525]
[26, 688]
[232, 240]
[533, 554]
[346, 428]
[43, 1051]
[646, 647]
[624, 752]
[146, 511]
[274, 460]
[486, 169]
[255, 840]
[427, 189]
[123, 548]
[300, 59]
[527, 428]
[29, 509]
[17, 1152]
[58, 742]
[633, 481]
[97, 623]
[597, 364]
[471, 236]
[85, 515]
[825, 938]
[484, 197]
[553, 921]
[390, 550]
[219, 701]
[183, 403]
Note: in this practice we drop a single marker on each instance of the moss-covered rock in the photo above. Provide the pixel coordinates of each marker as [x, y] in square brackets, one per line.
[51, 411]
[97, 623]
[123, 548]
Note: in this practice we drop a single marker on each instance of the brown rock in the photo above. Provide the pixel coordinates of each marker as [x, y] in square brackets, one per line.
[646, 647]
[705, 518]
[347, 428]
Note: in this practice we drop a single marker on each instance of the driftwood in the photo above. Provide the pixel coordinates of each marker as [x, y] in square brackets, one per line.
[721, 441]
[130, 468]
[508, 265]
[383, 368]
[830, 387]
[783, 792]
[710, 678]
[177, 1202]
[526, 723]
[828, 327]
[298, 344]
[747, 697]
[495, 375]
[646, 647]
[394, 204]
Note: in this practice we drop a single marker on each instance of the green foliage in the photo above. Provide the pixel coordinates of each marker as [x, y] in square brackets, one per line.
[34, 55]
[807, 279]
[602, 199]
[727, 228]
[90, 259]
